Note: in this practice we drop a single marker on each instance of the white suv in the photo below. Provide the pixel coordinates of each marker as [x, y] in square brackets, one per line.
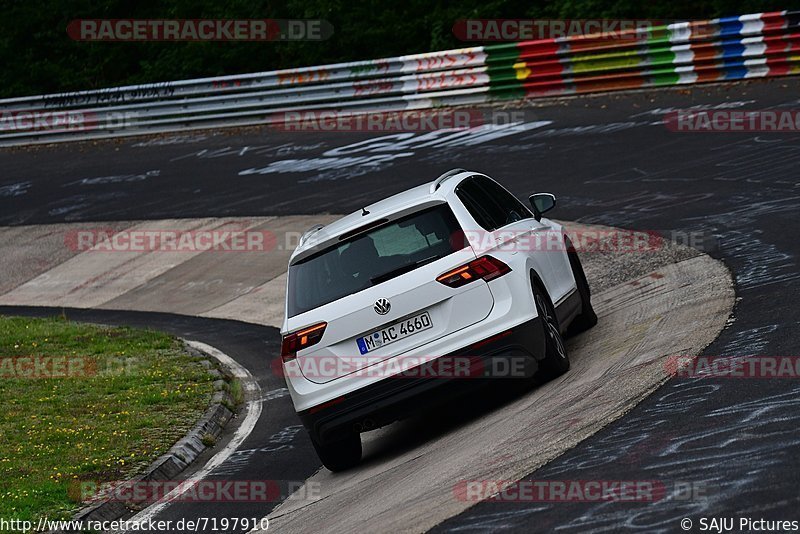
[410, 299]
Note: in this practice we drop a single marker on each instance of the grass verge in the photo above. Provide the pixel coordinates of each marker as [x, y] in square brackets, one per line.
[87, 403]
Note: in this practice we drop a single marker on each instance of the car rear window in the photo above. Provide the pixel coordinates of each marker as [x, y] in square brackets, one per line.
[373, 257]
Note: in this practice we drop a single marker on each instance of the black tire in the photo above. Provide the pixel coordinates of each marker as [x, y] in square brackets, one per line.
[556, 360]
[339, 455]
[587, 318]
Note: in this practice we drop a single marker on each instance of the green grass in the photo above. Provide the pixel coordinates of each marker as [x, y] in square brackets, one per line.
[139, 393]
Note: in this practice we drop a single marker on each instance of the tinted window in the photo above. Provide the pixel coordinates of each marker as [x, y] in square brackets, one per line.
[490, 205]
[513, 209]
[372, 258]
[471, 198]
[483, 209]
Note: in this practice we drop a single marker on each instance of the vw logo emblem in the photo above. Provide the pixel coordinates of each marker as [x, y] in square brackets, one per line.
[382, 307]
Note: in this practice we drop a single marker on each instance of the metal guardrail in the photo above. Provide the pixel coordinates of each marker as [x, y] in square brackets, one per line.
[755, 45]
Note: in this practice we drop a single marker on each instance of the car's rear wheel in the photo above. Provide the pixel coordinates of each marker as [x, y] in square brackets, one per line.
[587, 318]
[556, 361]
[339, 455]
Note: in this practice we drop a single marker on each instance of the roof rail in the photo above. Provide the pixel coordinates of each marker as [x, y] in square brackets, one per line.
[307, 233]
[441, 179]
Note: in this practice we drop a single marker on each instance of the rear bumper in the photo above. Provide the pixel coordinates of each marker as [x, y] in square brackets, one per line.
[510, 354]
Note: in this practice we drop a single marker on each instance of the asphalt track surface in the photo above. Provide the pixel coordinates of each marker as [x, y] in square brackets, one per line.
[610, 160]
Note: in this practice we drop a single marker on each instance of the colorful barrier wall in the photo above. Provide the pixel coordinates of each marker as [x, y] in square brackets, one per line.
[749, 46]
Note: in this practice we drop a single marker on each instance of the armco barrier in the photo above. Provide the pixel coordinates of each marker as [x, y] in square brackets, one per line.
[749, 46]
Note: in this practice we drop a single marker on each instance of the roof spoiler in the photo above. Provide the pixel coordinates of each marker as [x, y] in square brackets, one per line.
[313, 230]
[441, 179]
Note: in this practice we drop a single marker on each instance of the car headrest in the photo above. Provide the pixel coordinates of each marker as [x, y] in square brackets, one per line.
[359, 256]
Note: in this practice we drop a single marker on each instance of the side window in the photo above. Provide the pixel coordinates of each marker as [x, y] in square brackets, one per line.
[489, 204]
[513, 209]
[474, 209]
[485, 212]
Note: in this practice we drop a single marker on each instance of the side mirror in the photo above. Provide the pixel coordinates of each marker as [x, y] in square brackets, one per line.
[542, 203]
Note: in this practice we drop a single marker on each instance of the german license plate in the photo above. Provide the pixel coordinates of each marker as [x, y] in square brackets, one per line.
[395, 332]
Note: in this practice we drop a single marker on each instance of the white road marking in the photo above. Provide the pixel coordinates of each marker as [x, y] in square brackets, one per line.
[274, 394]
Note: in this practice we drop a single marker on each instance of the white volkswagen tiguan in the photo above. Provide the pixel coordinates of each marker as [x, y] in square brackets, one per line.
[409, 300]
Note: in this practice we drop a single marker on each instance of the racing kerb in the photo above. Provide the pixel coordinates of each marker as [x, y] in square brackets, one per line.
[732, 48]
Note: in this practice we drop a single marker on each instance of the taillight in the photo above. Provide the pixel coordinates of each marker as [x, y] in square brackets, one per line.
[300, 340]
[484, 268]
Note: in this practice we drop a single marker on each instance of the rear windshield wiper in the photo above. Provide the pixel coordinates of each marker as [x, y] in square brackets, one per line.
[401, 270]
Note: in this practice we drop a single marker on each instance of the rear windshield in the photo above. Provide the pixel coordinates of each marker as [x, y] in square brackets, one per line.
[373, 257]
